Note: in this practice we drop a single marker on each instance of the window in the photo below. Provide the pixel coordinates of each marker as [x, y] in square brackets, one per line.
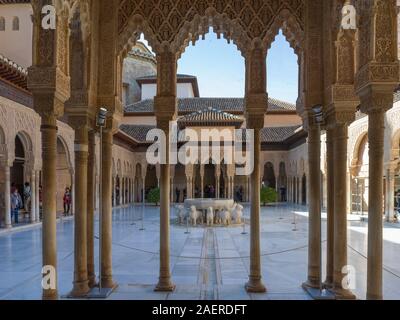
[15, 24]
[2, 24]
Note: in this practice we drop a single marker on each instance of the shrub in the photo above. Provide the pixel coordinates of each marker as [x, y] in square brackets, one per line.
[154, 196]
[268, 195]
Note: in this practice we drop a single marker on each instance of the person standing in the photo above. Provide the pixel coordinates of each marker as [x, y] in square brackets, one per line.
[177, 194]
[27, 197]
[67, 201]
[16, 204]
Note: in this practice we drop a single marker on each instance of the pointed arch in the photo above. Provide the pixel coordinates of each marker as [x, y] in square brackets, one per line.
[291, 29]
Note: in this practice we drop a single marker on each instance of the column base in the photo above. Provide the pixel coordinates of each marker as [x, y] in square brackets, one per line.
[328, 283]
[255, 285]
[343, 294]
[311, 283]
[165, 285]
[107, 282]
[80, 289]
[49, 295]
[92, 281]
[374, 297]
[8, 226]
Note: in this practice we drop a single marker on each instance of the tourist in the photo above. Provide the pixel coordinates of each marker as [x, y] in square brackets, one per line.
[212, 192]
[283, 193]
[67, 199]
[12, 187]
[177, 194]
[16, 204]
[27, 197]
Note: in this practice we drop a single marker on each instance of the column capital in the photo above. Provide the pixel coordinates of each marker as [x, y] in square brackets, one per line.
[376, 98]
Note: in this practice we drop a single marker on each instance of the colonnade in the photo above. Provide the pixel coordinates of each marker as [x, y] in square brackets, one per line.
[326, 79]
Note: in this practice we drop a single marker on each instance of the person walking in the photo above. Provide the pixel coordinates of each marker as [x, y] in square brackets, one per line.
[27, 197]
[67, 199]
[16, 204]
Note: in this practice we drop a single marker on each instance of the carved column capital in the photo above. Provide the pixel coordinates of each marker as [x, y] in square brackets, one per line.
[376, 98]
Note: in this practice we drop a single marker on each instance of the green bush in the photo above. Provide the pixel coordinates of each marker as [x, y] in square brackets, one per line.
[268, 195]
[154, 196]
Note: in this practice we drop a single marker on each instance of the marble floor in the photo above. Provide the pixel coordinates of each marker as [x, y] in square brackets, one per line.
[207, 263]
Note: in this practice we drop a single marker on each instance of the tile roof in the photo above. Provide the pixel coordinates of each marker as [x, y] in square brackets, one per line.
[137, 132]
[210, 117]
[13, 73]
[194, 104]
[268, 135]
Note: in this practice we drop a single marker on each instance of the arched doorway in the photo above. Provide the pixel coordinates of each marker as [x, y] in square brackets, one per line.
[151, 179]
[269, 179]
[209, 181]
[138, 183]
[304, 189]
[179, 183]
[64, 175]
[359, 187]
[17, 170]
[282, 182]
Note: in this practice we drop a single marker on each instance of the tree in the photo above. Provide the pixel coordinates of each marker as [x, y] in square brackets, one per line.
[268, 195]
[154, 196]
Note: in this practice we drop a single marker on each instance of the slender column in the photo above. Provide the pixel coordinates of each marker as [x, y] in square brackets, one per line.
[376, 129]
[114, 183]
[122, 191]
[165, 107]
[314, 219]
[49, 161]
[348, 194]
[330, 207]
[340, 225]
[256, 103]
[72, 192]
[33, 197]
[390, 177]
[91, 198]
[7, 197]
[164, 283]
[81, 287]
[106, 258]
[37, 202]
[255, 283]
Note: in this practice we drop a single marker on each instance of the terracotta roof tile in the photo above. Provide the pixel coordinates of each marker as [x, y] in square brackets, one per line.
[194, 104]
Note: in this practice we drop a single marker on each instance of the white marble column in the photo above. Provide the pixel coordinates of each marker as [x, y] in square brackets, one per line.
[7, 197]
[314, 219]
[37, 194]
[389, 203]
[33, 197]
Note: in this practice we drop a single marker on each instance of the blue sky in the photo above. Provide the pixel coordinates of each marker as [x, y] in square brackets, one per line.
[219, 68]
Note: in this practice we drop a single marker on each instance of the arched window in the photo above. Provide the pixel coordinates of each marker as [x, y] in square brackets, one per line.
[2, 24]
[15, 24]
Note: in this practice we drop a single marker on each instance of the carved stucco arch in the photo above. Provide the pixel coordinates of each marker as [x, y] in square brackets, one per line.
[395, 147]
[291, 29]
[68, 154]
[199, 26]
[355, 151]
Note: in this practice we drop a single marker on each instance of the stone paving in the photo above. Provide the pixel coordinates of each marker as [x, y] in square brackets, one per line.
[207, 263]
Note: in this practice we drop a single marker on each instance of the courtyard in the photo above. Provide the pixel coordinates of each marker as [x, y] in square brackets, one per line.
[206, 264]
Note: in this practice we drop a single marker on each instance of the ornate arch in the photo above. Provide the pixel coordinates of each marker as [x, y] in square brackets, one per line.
[191, 31]
[67, 151]
[163, 22]
[355, 151]
[291, 29]
[395, 146]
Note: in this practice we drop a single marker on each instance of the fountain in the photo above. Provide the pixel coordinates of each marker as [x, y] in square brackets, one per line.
[209, 212]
